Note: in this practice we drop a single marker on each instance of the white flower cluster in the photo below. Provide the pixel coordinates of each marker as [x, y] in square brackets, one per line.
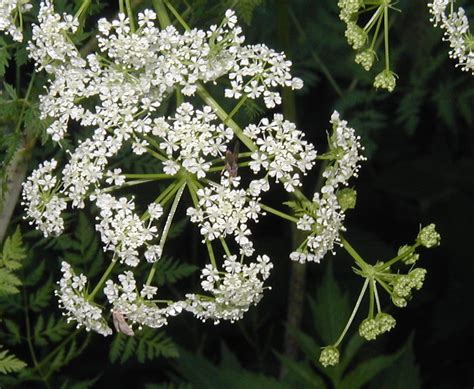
[113, 96]
[73, 299]
[42, 200]
[281, 151]
[136, 306]
[224, 210]
[10, 12]
[456, 31]
[234, 290]
[192, 136]
[327, 219]
[121, 230]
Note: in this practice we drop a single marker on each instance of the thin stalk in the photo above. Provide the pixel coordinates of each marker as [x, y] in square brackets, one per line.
[128, 6]
[225, 247]
[104, 277]
[28, 338]
[401, 256]
[359, 260]
[376, 294]
[278, 213]
[371, 298]
[324, 69]
[164, 234]
[151, 176]
[354, 311]
[385, 30]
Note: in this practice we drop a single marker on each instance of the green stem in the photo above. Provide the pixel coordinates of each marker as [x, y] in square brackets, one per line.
[376, 33]
[28, 338]
[177, 16]
[166, 229]
[149, 177]
[354, 311]
[324, 69]
[371, 298]
[401, 256]
[104, 277]
[226, 119]
[376, 294]
[85, 4]
[23, 107]
[156, 155]
[226, 248]
[359, 260]
[276, 212]
[385, 27]
[163, 17]
[130, 15]
[121, 7]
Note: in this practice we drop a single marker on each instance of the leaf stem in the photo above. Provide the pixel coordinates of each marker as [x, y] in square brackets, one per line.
[354, 311]
[276, 212]
[164, 234]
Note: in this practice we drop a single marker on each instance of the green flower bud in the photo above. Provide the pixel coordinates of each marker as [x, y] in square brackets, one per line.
[398, 301]
[402, 286]
[355, 35]
[365, 59]
[368, 329]
[349, 9]
[346, 198]
[417, 277]
[329, 356]
[428, 237]
[386, 79]
[410, 259]
[385, 322]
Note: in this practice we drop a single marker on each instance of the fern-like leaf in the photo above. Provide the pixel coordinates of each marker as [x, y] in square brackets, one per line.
[170, 271]
[9, 363]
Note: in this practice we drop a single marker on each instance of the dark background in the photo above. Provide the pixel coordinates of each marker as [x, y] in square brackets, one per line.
[419, 144]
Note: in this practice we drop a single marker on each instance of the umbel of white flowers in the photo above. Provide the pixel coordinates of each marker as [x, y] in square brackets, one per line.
[128, 79]
[456, 31]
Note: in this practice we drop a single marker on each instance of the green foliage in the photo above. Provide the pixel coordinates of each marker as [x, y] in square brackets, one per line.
[147, 345]
[171, 270]
[9, 363]
[301, 208]
[13, 253]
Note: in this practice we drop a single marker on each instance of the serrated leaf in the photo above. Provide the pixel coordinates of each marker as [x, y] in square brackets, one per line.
[366, 371]
[306, 376]
[153, 344]
[37, 332]
[170, 271]
[116, 348]
[4, 58]
[10, 91]
[330, 309]
[10, 363]
[177, 228]
[35, 274]
[40, 299]
[14, 330]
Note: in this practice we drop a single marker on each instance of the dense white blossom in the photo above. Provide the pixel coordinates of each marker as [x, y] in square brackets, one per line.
[72, 296]
[121, 229]
[113, 96]
[43, 201]
[233, 290]
[226, 209]
[136, 306]
[191, 137]
[456, 31]
[282, 151]
[10, 12]
[326, 218]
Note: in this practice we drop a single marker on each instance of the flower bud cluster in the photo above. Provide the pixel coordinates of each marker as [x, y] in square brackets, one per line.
[403, 285]
[329, 356]
[371, 328]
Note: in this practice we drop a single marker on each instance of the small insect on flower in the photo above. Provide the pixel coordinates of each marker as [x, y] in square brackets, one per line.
[120, 324]
[231, 158]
